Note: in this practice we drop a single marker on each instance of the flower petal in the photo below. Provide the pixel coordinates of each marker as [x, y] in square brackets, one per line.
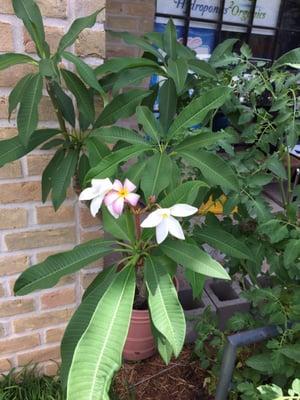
[102, 184]
[128, 185]
[183, 210]
[88, 194]
[110, 209]
[95, 205]
[117, 185]
[162, 231]
[174, 228]
[118, 206]
[132, 199]
[111, 197]
[152, 220]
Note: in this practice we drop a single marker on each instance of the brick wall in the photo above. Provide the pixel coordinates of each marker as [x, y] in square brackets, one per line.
[31, 327]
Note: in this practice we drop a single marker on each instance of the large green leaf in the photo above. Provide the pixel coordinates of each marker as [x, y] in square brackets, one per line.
[110, 163]
[170, 40]
[197, 110]
[205, 138]
[98, 354]
[197, 282]
[223, 241]
[47, 274]
[214, 168]
[166, 312]
[81, 318]
[115, 65]
[86, 73]
[191, 257]
[292, 352]
[12, 149]
[28, 117]
[17, 93]
[221, 52]
[203, 68]
[115, 133]
[29, 12]
[156, 176]
[133, 40]
[163, 346]
[64, 103]
[63, 177]
[150, 124]
[76, 28]
[50, 172]
[291, 59]
[178, 71]
[133, 77]
[122, 228]
[167, 103]
[84, 100]
[97, 150]
[122, 106]
[184, 193]
[135, 172]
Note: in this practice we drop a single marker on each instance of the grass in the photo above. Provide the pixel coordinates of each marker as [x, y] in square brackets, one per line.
[28, 385]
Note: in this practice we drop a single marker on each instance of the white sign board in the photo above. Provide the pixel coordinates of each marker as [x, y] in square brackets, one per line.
[237, 11]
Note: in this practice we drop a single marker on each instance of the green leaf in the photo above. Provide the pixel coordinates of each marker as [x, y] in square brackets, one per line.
[205, 138]
[110, 163]
[83, 98]
[50, 172]
[197, 110]
[53, 143]
[291, 351]
[291, 251]
[115, 133]
[98, 354]
[81, 318]
[191, 257]
[115, 65]
[86, 73]
[17, 93]
[29, 12]
[163, 346]
[64, 103]
[63, 176]
[276, 166]
[290, 59]
[133, 77]
[76, 28]
[213, 168]
[27, 119]
[83, 168]
[48, 69]
[46, 274]
[12, 149]
[221, 51]
[135, 172]
[122, 228]
[150, 124]
[197, 282]
[170, 40]
[178, 71]
[275, 229]
[137, 41]
[156, 176]
[260, 362]
[203, 68]
[185, 193]
[223, 241]
[97, 150]
[167, 103]
[166, 312]
[122, 106]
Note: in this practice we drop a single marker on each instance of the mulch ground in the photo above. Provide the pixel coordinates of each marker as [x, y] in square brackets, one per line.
[182, 379]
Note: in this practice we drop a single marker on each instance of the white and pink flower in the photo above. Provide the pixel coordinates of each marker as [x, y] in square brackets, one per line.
[96, 193]
[164, 222]
[121, 194]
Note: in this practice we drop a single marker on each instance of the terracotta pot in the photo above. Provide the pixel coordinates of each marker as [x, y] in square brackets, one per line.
[140, 342]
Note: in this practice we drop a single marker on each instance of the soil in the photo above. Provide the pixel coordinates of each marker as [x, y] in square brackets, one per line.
[182, 379]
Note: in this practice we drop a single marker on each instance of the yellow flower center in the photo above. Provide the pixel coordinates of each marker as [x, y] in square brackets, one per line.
[123, 192]
[165, 215]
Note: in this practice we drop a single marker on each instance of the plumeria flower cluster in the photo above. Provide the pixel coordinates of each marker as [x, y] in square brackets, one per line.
[116, 195]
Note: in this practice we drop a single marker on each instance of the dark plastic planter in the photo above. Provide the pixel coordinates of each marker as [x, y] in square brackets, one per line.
[226, 298]
[193, 309]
